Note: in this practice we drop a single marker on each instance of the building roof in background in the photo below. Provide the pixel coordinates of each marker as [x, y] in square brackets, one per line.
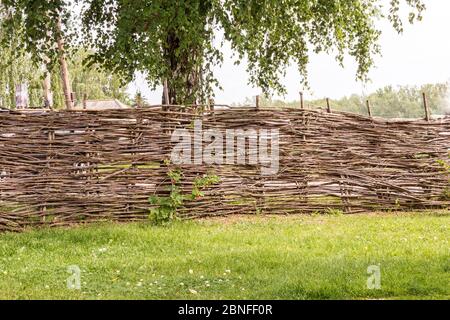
[102, 105]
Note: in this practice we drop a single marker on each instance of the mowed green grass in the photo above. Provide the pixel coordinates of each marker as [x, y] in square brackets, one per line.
[297, 257]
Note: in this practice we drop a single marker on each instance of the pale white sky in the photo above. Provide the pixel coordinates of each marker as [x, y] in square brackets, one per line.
[420, 55]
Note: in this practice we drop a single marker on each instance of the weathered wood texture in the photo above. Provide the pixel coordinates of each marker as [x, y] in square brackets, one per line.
[59, 168]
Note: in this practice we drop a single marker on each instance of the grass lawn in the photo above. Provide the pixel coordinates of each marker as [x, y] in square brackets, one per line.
[297, 257]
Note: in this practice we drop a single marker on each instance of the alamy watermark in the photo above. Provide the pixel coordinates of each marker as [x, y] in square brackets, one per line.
[74, 281]
[229, 147]
[374, 279]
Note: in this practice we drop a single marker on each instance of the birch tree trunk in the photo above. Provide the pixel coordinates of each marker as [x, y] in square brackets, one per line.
[64, 70]
[48, 95]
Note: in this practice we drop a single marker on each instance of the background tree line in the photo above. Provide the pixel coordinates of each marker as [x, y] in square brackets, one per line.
[91, 83]
[387, 102]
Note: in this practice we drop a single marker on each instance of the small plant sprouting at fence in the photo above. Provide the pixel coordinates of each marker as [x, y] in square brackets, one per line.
[165, 207]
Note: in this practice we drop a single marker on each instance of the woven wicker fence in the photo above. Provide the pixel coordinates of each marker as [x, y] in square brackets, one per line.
[59, 168]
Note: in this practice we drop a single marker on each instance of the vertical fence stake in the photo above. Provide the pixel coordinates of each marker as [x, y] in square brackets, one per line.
[257, 102]
[51, 137]
[369, 111]
[425, 106]
[89, 165]
[84, 101]
[328, 106]
[302, 106]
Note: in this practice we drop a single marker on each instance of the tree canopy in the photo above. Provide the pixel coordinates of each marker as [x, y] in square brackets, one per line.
[180, 41]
